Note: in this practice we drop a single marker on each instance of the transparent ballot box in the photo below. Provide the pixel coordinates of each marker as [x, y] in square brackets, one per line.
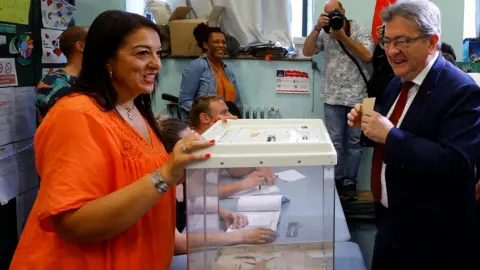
[290, 219]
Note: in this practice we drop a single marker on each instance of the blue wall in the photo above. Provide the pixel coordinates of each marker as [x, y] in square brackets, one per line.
[257, 77]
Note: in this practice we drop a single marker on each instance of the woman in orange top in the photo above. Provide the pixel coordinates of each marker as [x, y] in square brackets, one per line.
[208, 75]
[104, 200]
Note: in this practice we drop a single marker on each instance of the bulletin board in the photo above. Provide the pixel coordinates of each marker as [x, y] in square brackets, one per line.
[21, 68]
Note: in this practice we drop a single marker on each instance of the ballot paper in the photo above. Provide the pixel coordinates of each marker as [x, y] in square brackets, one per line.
[290, 175]
[262, 190]
[368, 105]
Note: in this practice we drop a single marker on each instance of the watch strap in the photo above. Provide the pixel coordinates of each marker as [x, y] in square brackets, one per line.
[160, 185]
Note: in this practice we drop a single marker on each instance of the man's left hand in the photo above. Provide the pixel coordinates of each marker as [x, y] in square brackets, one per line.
[376, 127]
[338, 35]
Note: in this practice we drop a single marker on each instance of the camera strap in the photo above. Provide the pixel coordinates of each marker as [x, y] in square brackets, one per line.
[354, 61]
[351, 56]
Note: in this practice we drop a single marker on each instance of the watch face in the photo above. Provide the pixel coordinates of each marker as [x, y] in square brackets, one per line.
[163, 186]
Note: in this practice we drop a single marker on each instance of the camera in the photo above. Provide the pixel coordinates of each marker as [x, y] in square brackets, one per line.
[336, 20]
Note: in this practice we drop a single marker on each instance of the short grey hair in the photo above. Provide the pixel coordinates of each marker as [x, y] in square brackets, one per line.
[423, 14]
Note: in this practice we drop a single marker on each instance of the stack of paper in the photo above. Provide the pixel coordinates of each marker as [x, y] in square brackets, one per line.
[264, 189]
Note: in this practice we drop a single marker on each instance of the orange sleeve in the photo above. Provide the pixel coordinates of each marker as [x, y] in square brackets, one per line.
[73, 163]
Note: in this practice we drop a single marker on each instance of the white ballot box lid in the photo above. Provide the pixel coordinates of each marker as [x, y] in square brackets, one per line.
[268, 143]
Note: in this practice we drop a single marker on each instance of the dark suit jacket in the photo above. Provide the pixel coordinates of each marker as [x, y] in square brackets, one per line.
[429, 169]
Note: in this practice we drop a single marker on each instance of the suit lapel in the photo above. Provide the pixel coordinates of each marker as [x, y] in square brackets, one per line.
[424, 92]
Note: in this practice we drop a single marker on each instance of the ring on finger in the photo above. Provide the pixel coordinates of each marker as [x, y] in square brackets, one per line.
[184, 148]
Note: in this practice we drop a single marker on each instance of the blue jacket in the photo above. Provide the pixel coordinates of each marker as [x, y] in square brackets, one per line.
[429, 170]
[199, 79]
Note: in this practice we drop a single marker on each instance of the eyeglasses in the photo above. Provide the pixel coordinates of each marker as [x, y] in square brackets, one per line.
[400, 42]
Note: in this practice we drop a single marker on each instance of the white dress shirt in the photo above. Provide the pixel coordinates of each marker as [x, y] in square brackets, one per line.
[411, 96]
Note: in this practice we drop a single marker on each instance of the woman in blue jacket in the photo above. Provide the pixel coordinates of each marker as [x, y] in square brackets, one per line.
[208, 74]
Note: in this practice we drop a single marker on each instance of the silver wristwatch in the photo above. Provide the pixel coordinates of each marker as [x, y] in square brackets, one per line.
[159, 183]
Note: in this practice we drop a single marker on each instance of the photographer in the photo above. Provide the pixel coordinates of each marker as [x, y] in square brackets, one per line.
[382, 71]
[344, 84]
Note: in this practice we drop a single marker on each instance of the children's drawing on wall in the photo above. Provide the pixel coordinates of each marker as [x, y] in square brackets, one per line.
[51, 47]
[57, 14]
[22, 47]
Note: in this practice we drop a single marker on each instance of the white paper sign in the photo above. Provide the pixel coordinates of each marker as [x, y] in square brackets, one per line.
[17, 127]
[17, 114]
[51, 47]
[8, 174]
[292, 82]
[25, 113]
[57, 14]
[18, 173]
[8, 72]
[27, 173]
[7, 112]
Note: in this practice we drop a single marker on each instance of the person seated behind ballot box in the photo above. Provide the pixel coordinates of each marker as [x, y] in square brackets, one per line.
[171, 131]
[208, 74]
[107, 198]
[206, 111]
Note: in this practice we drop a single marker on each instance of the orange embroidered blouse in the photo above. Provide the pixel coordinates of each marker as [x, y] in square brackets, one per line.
[84, 153]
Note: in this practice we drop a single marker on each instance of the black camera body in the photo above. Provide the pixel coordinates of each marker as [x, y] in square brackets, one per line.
[337, 20]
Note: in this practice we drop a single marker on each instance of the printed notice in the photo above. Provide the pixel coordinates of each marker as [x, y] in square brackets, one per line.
[8, 72]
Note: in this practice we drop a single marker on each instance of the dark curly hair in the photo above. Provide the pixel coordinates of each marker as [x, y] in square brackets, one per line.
[105, 36]
[448, 49]
[202, 32]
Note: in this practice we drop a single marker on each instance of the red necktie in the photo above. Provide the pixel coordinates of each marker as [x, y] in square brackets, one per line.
[377, 163]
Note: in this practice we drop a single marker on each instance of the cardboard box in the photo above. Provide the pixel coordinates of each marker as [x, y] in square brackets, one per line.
[182, 41]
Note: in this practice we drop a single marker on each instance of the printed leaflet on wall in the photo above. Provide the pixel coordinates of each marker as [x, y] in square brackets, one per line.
[292, 82]
[8, 72]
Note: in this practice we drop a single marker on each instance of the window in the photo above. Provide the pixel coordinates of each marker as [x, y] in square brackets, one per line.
[136, 6]
[470, 19]
[301, 17]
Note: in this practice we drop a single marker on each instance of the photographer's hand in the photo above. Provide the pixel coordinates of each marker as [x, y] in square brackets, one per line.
[379, 31]
[323, 21]
[339, 35]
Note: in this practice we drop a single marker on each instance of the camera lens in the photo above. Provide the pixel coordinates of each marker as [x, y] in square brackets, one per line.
[336, 19]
